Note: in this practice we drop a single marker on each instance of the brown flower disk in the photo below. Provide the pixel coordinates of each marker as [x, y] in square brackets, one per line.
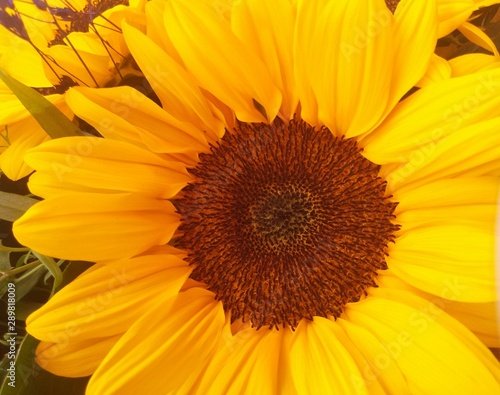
[285, 222]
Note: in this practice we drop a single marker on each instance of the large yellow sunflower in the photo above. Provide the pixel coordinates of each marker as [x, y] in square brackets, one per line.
[290, 220]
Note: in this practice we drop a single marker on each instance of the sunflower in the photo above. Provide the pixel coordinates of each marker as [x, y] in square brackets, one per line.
[76, 39]
[51, 46]
[293, 218]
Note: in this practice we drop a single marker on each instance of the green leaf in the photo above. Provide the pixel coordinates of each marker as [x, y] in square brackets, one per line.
[28, 282]
[24, 368]
[4, 285]
[53, 268]
[50, 118]
[5, 261]
[12, 206]
[32, 379]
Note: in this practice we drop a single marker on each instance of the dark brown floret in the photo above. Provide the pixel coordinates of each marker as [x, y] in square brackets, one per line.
[285, 222]
[392, 4]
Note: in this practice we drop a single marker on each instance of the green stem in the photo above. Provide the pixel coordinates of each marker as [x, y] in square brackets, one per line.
[21, 269]
[31, 272]
[12, 249]
[52, 267]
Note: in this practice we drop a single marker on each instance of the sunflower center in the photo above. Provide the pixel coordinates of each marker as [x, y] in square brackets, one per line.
[279, 216]
[285, 222]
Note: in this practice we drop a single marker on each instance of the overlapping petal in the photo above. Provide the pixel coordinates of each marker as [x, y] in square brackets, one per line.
[350, 99]
[421, 342]
[249, 362]
[316, 344]
[75, 358]
[115, 291]
[21, 132]
[453, 13]
[124, 113]
[233, 73]
[190, 327]
[472, 63]
[481, 318]
[443, 109]
[254, 23]
[177, 89]
[443, 255]
[415, 21]
[75, 164]
[468, 152]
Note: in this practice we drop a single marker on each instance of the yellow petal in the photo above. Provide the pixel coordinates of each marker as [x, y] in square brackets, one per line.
[467, 201]
[415, 36]
[436, 354]
[485, 3]
[91, 227]
[91, 164]
[21, 132]
[480, 318]
[230, 72]
[472, 63]
[126, 114]
[439, 69]
[13, 111]
[468, 152]
[85, 68]
[418, 123]
[475, 216]
[478, 37]
[76, 358]
[155, 10]
[452, 13]
[442, 255]
[307, 12]
[440, 194]
[267, 28]
[320, 363]
[180, 335]
[107, 33]
[176, 88]
[114, 292]
[12, 158]
[351, 81]
[248, 363]
[464, 200]
[378, 367]
[20, 60]
[84, 42]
